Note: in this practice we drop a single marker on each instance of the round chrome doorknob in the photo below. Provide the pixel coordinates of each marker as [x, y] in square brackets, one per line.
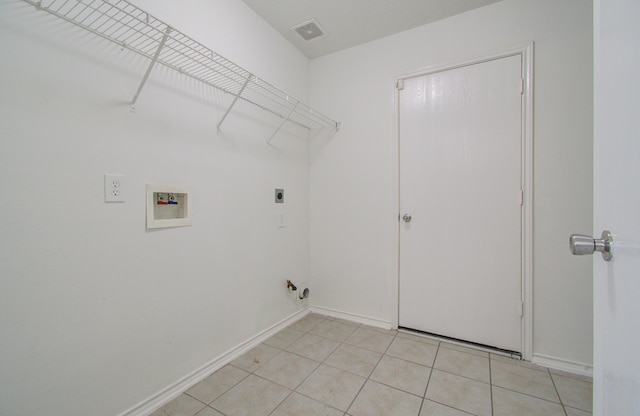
[581, 244]
[406, 218]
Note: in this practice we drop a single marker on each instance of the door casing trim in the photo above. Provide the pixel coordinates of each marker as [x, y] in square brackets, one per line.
[526, 51]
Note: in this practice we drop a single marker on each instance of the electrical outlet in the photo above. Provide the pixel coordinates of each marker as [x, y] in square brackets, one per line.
[114, 188]
[279, 196]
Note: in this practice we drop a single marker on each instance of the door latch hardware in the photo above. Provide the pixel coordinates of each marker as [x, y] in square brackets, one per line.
[581, 244]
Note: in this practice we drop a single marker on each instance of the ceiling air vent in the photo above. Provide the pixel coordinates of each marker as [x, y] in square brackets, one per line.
[309, 30]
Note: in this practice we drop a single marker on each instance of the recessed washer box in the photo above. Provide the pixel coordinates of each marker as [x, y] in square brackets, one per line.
[168, 206]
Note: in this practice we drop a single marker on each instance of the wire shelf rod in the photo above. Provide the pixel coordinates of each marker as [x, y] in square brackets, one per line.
[151, 65]
[235, 100]
[282, 124]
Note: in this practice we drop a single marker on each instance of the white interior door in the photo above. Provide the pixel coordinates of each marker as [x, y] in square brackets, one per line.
[616, 287]
[460, 138]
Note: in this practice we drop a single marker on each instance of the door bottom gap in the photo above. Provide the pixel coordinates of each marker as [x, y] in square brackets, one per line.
[470, 344]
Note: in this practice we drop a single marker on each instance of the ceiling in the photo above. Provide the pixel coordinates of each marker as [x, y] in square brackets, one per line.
[352, 22]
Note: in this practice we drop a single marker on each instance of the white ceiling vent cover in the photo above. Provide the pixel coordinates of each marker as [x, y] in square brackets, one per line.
[309, 30]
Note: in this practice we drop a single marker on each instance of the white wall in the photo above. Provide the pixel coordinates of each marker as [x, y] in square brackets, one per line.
[353, 177]
[96, 313]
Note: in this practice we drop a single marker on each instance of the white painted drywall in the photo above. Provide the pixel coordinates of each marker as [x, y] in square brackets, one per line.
[97, 313]
[353, 177]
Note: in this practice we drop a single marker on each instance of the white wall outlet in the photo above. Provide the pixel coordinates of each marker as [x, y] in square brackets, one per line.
[114, 188]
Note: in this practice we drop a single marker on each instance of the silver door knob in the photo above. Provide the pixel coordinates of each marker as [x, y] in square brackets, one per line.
[581, 244]
[406, 218]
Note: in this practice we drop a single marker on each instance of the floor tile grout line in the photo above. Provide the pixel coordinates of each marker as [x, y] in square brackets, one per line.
[432, 367]
[215, 410]
[564, 374]
[312, 359]
[561, 376]
[382, 354]
[308, 358]
[557, 392]
[314, 335]
[409, 361]
[194, 398]
[341, 343]
[350, 372]
[220, 395]
[287, 387]
[208, 405]
[205, 405]
[283, 400]
[316, 400]
[451, 407]
[310, 374]
[527, 394]
[288, 345]
[346, 341]
[578, 409]
[363, 384]
[332, 351]
[318, 364]
[310, 329]
[459, 375]
[260, 377]
[424, 395]
[333, 339]
[291, 391]
[491, 386]
[369, 377]
[395, 388]
[357, 326]
[430, 375]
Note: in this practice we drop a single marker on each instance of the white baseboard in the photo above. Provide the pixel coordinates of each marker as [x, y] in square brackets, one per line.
[347, 316]
[562, 364]
[174, 390]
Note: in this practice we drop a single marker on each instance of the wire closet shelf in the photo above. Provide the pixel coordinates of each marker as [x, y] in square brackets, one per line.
[130, 27]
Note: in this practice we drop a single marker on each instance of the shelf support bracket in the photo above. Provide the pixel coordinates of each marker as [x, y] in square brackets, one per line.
[283, 121]
[151, 65]
[334, 130]
[235, 99]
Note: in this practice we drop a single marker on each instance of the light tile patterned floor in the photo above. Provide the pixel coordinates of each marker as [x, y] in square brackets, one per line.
[322, 366]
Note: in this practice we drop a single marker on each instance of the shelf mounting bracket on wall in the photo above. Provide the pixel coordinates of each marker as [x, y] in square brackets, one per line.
[151, 65]
[235, 100]
[335, 130]
[283, 121]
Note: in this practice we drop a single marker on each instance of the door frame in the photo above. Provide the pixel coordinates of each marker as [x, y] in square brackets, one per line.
[526, 52]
